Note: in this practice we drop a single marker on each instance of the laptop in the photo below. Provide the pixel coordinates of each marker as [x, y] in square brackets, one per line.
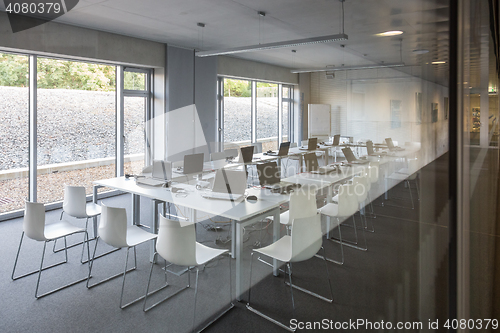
[284, 147]
[311, 161]
[371, 150]
[228, 185]
[311, 144]
[247, 154]
[162, 173]
[391, 146]
[193, 163]
[269, 177]
[336, 141]
[351, 159]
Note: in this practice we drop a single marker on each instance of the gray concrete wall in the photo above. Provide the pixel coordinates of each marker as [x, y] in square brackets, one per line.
[229, 66]
[56, 39]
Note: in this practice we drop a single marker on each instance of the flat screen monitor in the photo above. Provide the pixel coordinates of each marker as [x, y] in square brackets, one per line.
[349, 155]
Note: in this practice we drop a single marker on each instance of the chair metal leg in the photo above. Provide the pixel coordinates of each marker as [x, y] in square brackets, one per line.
[352, 244]
[41, 269]
[249, 307]
[341, 247]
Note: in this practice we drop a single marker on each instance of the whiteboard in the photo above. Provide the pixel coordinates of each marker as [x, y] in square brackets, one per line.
[319, 120]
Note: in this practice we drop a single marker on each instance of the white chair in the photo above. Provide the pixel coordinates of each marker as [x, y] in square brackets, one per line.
[34, 227]
[177, 244]
[303, 244]
[113, 230]
[405, 175]
[75, 205]
[344, 205]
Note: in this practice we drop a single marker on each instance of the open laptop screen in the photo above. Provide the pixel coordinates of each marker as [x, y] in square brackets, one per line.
[349, 155]
[284, 147]
[369, 147]
[268, 173]
[312, 143]
[336, 140]
[311, 162]
[193, 163]
[247, 154]
[389, 142]
[230, 181]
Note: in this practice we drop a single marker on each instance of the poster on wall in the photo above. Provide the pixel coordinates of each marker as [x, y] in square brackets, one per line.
[445, 107]
[434, 112]
[418, 107]
[395, 113]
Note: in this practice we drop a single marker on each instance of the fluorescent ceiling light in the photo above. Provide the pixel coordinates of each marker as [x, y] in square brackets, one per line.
[420, 51]
[389, 33]
[343, 68]
[438, 62]
[276, 45]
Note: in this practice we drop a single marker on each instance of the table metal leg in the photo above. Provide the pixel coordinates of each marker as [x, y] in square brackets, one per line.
[239, 245]
[233, 238]
[276, 236]
[94, 200]
[136, 209]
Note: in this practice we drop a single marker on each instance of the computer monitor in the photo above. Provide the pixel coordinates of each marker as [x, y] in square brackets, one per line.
[269, 173]
[193, 163]
[284, 147]
[230, 181]
[349, 155]
[311, 162]
[162, 170]
[336, 140]
[369, 148]
[312, 143]
[247, 154]
[389, 143]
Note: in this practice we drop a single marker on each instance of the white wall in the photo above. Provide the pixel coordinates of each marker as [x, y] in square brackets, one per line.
[361, 107]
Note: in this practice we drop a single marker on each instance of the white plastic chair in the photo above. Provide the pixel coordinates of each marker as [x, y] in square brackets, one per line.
[177, 244]
[113, 230]
[303, 244]
[75, 205]
[405, 175]
[34, 227]
[345, 205]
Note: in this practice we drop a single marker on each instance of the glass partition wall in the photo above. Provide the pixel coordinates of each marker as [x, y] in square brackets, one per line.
[74, 112]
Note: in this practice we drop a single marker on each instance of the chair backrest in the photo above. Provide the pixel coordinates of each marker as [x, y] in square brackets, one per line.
[113, 226]
[373, 171]
[360, 187]
[347, 201]
[75, 201]
[219, 155]
[34, 221]
[302, 203]
[176, 242]
[306, 237]
[311, 161]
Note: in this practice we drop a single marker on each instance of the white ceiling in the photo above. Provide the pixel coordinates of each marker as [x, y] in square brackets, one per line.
[233, 23]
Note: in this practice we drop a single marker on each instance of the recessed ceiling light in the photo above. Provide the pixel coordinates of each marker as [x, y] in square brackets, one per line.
[438, 62]
[389, 33]
[420, 51]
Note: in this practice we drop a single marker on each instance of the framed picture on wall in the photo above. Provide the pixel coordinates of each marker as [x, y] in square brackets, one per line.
[434, 112]
[418, 107]
[395, 113]
[445, 107]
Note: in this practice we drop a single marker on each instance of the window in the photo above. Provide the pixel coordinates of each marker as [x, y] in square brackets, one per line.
[14, 127]
[267, 115]
[237, 110]
[75, 125]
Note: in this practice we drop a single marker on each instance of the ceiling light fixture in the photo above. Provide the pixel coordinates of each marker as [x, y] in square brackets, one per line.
[276, 45]
[420, 51]
[389, 33]
[438, 62]
[343, 68]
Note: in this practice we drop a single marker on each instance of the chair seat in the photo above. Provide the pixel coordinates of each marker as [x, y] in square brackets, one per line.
[280, 250]
[136, 235]
[60, 229]
[93, 209]
[205, 254]
[330, 209]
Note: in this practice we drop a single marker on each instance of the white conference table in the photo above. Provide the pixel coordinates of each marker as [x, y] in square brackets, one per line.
[243, 212]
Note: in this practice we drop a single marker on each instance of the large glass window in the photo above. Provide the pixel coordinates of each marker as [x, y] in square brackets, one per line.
[135, 134]
[285, 113]
[237, 110]
[14, 139]
[267, 115]
[76, 125]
